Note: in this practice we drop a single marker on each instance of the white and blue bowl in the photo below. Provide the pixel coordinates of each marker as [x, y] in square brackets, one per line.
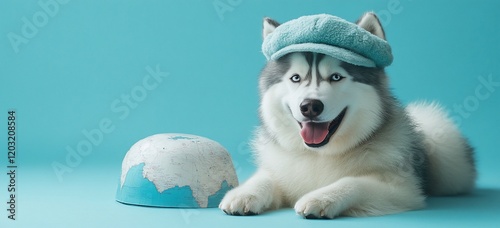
[176, 170]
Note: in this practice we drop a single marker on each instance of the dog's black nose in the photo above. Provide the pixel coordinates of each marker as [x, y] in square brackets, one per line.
[311, 108]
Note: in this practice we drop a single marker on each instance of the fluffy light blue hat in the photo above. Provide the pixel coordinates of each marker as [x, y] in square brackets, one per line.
[329, 35]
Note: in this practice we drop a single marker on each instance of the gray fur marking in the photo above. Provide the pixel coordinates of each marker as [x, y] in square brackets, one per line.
[310, 59]
[319, 78]
[470, 154]
[366, 75]
[419, 159]
[272, 22]
[273, 72]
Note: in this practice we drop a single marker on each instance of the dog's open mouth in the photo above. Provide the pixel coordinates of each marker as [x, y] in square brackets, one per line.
[318, 134]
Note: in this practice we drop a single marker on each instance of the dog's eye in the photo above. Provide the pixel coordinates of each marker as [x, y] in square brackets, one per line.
[335, 77]
[295, 78]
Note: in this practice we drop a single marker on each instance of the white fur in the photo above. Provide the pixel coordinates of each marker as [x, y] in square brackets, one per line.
[330, 180]
[365, 168]
[364, 104]
[449, 165]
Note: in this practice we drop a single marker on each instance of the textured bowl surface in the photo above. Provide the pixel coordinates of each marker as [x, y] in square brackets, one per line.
[176, 170]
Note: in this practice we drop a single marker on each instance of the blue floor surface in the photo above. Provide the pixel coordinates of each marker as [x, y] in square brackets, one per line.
[86, 198]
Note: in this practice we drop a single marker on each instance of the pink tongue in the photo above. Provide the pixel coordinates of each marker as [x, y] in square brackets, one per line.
[314, 133]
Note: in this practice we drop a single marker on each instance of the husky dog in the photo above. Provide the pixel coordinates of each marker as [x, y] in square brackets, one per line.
[333, 141]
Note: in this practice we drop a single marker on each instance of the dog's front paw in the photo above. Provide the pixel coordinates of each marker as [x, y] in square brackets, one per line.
[241, 202]
[317, 206]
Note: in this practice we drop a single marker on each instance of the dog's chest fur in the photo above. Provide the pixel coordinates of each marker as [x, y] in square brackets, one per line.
[299, 173]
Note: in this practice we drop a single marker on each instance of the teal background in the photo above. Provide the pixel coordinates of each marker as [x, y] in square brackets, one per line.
[89, 54]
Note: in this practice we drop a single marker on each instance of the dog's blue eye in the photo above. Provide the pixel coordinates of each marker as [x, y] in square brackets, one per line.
[336, 77]
[295, 78]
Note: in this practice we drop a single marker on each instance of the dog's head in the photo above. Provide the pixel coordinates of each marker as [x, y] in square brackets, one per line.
[315, 101]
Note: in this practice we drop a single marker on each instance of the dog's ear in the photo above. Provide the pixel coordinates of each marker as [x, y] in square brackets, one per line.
[268, 26]
[370, 22]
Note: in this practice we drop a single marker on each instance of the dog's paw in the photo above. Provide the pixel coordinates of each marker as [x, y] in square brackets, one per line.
[241, 202]
[316, 206]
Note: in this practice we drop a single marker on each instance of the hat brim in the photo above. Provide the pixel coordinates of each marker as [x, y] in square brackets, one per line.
[333, 51]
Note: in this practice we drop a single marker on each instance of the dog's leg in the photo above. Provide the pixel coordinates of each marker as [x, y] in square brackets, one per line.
[253, 197]
[360, 196]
